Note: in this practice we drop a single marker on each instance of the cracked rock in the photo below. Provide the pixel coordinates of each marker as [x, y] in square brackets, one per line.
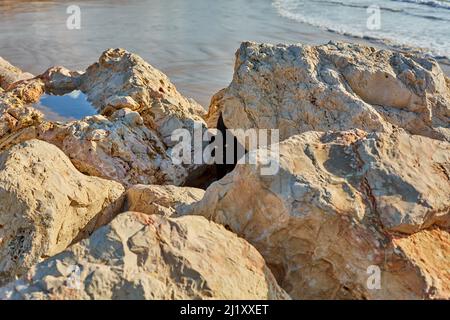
[337, 86]
[341, 205]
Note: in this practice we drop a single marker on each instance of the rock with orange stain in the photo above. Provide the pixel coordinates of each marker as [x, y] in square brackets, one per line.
[429, 252]
[18, 118]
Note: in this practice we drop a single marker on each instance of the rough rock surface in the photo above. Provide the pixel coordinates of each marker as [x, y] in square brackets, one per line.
[341, 203]
[129, 147]
[429, 250]
[10, 74]
[45, 203]
[120, 148]
[17, 118]
[138, 256]
[124, 80]
[338, 86]
[163, 200]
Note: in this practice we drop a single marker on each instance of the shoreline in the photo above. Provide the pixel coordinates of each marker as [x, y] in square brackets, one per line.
[199, 63]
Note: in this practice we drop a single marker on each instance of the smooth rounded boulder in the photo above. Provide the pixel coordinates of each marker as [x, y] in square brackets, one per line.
[46, 204]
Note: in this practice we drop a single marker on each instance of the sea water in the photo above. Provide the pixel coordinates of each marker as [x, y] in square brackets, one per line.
[415, 23]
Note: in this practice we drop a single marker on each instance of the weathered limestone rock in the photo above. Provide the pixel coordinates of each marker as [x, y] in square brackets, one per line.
[124, 80]
[163, 200]
[131, 142]
[17, 118]
[138, 256]
[338, 86]
[10, 74]
[429, 250]
[60, 80]
[45, 203]
[120, 148]
[342, 205]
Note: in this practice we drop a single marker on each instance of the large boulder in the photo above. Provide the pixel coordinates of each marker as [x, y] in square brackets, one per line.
[120, 148]
[123, 87]
[10, 74]
[121, 79]
[337, 86]
[138, 256]
[342, 207]
[130, 141]
[46, 204]
[164, 200]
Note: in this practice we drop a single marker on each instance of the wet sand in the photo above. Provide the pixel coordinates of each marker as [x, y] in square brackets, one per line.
[193, 42]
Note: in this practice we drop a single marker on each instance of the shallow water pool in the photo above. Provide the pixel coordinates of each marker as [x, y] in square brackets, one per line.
[71, 106]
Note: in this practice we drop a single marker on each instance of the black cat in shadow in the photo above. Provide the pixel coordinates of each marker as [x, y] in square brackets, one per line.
[207, 174]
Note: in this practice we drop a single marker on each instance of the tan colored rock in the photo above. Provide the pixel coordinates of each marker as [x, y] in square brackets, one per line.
[341, 206]
[17, 117]
[45, 203]
[163, 200]
[10, 74]
[215, 108]
[337, 86]
[124, 80]
[120, 148]
[429, 252]
[138, 256]
[121, 79]
[131, 142]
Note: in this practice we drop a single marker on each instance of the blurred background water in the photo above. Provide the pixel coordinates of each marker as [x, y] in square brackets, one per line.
[415, 23]
[194, 41]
